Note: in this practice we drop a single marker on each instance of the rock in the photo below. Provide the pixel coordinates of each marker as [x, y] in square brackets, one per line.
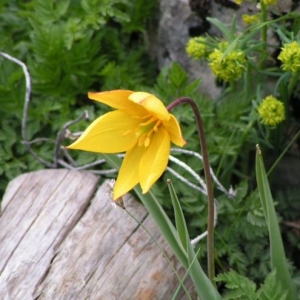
[178, 23]
[176, 19]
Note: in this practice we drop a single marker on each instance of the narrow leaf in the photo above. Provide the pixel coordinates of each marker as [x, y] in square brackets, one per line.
[205, 289]
[179, 217]
[278, 259]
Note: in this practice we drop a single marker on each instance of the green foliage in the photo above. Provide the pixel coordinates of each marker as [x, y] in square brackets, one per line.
[178, 83]
[241, 232]
[241, 235]
[70, 47]
[277, 253]
[203, 285]
[242, 288]
[232, 127]
[139, 12]
[271, 289]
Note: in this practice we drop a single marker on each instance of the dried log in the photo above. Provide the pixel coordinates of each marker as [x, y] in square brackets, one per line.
[60, 238]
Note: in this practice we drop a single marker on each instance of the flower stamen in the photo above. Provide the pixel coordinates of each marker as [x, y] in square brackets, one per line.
[151, 120]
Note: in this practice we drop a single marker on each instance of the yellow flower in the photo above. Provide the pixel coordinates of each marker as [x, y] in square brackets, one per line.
[271, 111]
[269, 2]
[230, 67]
[250, 19]
[196, 47]
[290, 57]
[142, 127]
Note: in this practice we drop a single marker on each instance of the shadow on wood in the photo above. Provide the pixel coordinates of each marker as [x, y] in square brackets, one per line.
[61, 239]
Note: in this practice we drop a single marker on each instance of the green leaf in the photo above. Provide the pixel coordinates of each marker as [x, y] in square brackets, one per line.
[203, 285]
[220, 26]
[179, 217]
[278, 259]
[178, 76]
[62, 7]
[271, 289]
[241, 287]
[193, 86]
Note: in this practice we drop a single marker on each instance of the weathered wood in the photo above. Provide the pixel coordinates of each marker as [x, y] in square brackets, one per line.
[60, 240]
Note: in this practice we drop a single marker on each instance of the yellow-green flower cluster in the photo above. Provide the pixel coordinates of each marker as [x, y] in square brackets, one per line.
[229, 67]
[239, 2]
[271, 111]
[196, 47]
[250, 19]
[290, 57]
[269, 2]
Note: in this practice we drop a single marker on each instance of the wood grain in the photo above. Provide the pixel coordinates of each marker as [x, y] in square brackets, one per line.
[61, 238]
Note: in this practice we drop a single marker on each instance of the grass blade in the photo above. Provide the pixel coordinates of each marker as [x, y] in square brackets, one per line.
[278, 258]
[205, 288]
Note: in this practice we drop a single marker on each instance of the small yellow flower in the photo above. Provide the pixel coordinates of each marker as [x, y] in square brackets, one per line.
[250, 19]
[271, 111]
[269, 2]
[196, 47]
[229, 67]
[142, 127]
[239, 2]
[290, 57]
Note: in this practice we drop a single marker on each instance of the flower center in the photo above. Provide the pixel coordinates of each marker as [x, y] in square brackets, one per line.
[145, 131]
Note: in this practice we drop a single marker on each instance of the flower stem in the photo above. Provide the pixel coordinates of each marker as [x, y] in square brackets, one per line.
[263, 35]
[209, 186]
[292, 82]
[283, 153]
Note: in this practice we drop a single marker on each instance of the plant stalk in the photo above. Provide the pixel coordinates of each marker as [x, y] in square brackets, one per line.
[208, 180]
[292, 83]
[283, 153]
[263, 35]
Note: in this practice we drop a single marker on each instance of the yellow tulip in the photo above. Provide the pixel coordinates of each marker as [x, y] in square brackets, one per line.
[142, 127]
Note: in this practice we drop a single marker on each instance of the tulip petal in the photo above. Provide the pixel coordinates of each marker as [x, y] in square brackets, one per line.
[152, 104]
[129, 173]
[118, 99]
[173, 128]
[155, 159]
[106, 134]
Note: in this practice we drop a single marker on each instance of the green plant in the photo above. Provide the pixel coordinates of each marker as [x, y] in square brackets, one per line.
[69, 47]
[80, 46]
[242, 287]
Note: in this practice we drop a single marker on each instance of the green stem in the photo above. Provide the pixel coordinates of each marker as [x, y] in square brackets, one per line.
[229, 142]
[232, 86]
[242, 140]
[209, 185]
[292, 82]
[248, 81]
[283, 153]
[263, 35]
